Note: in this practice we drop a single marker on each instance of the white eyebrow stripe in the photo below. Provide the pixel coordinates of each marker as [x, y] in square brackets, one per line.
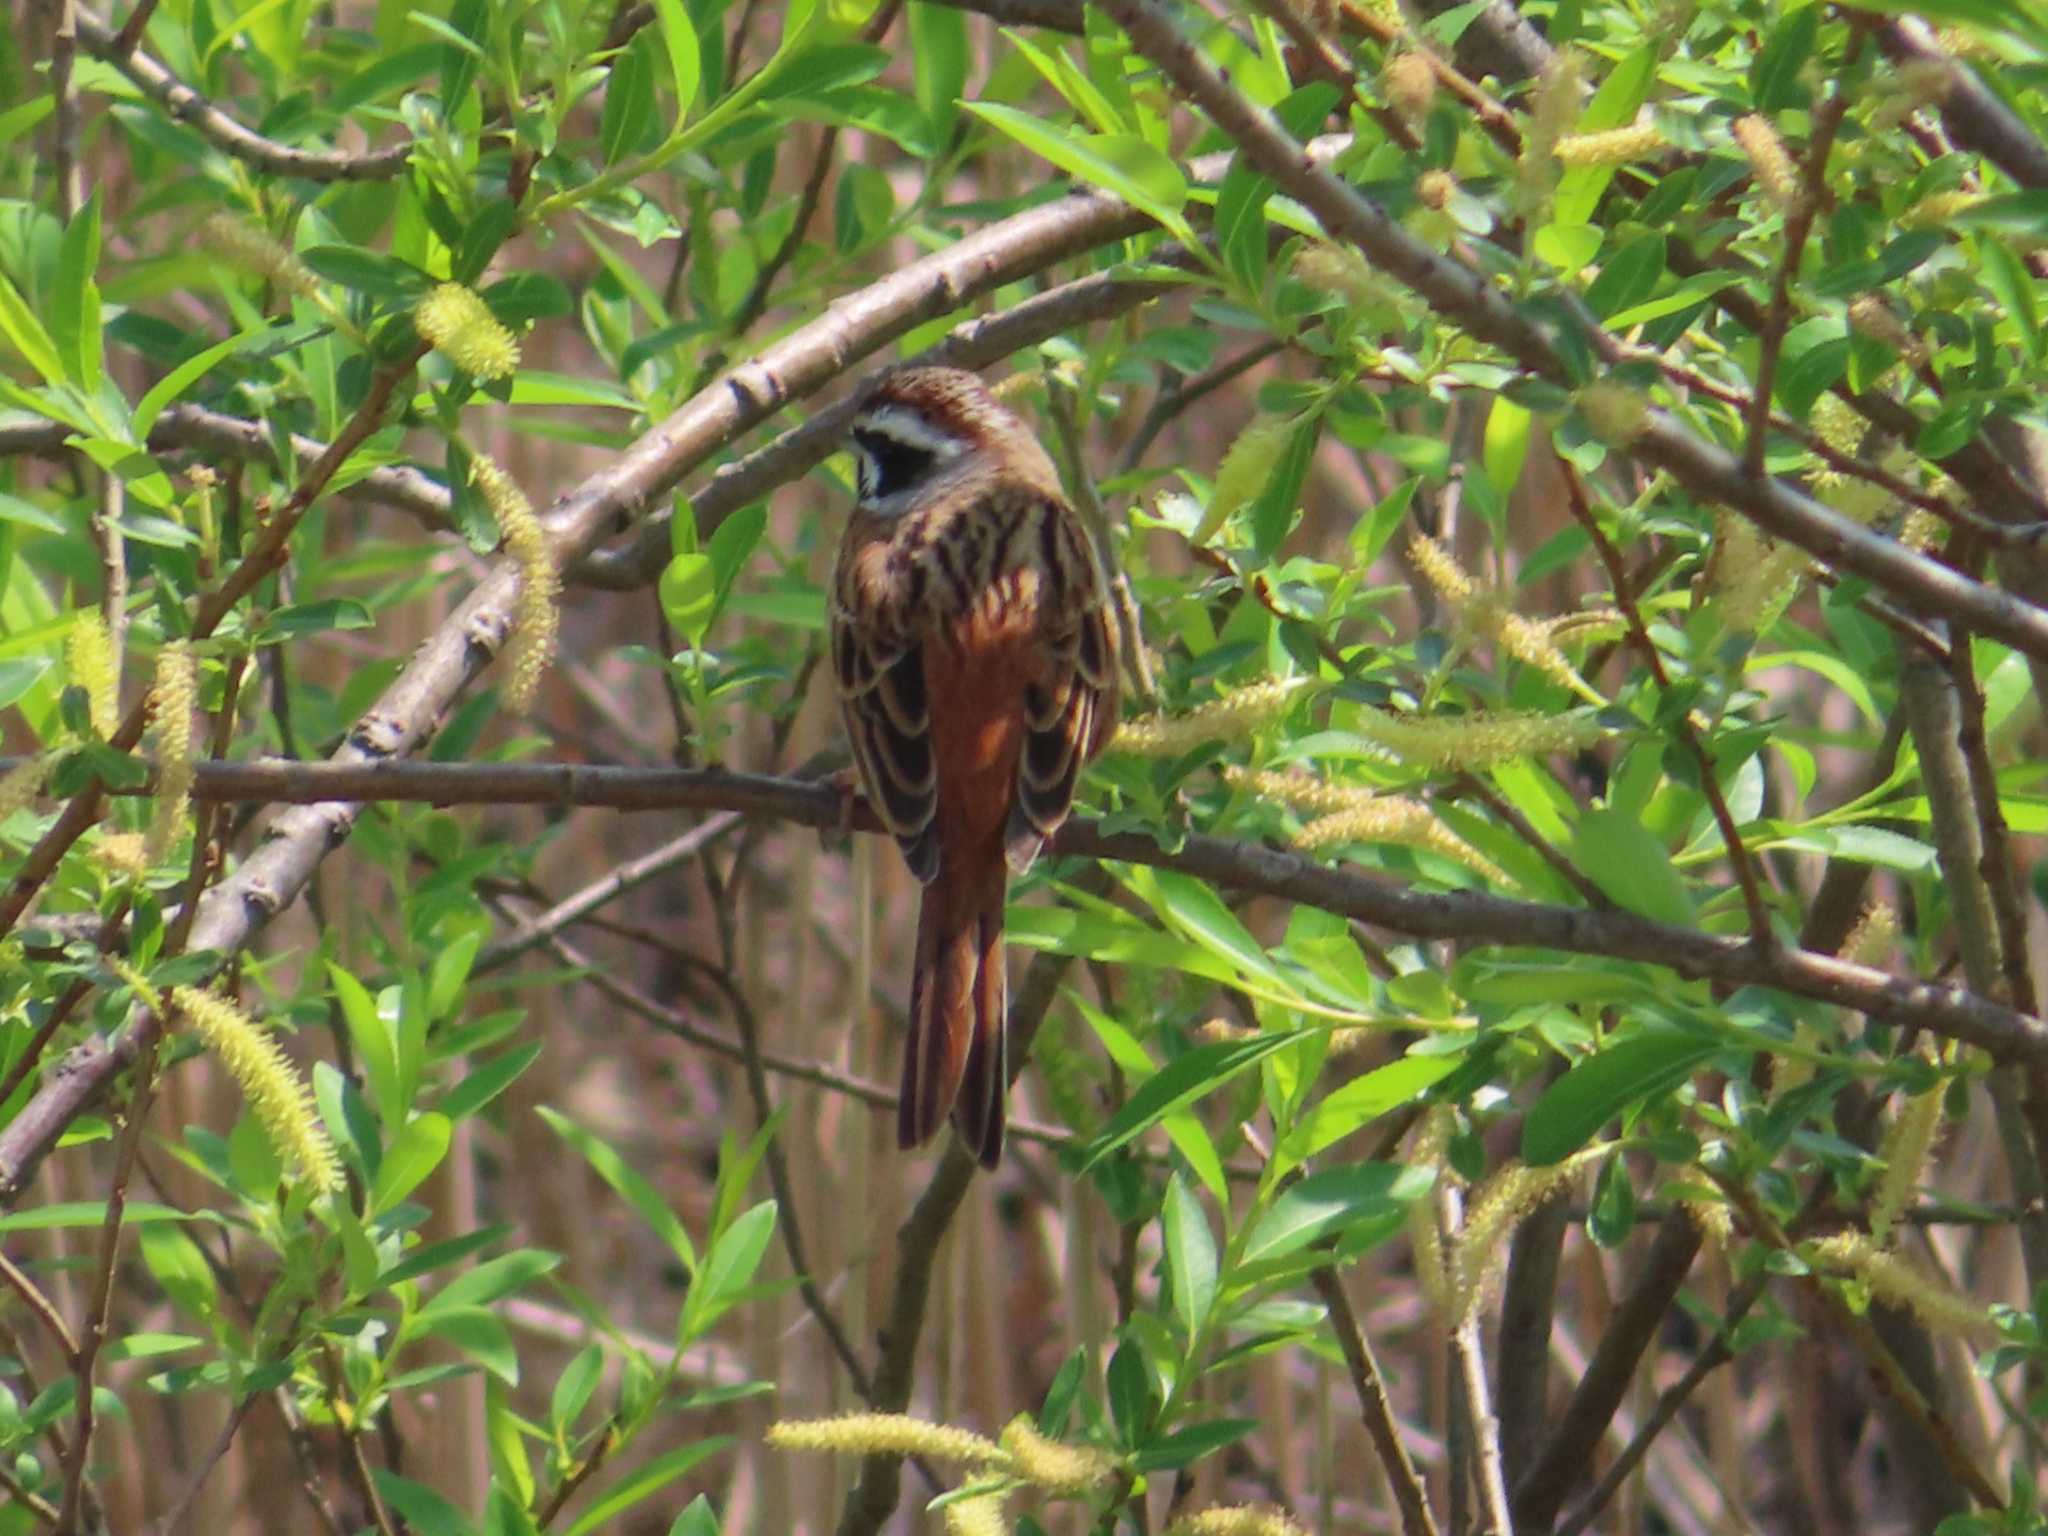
[911, 429]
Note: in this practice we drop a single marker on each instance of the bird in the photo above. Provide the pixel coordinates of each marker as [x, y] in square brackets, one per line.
[977, 671]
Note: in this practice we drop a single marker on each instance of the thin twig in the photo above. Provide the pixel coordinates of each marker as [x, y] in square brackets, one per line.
[1373, 1406]
[1798, 225]
[1747, 875]
[175, 1516]
[538, 930]
[94, 1335]
[45, 1310]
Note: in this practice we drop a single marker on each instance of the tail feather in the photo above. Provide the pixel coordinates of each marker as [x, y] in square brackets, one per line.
[955, 1060]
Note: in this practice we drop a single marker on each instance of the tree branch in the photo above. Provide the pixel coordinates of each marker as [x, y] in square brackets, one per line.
[223, 132]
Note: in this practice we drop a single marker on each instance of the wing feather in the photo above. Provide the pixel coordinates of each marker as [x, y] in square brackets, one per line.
[888, 720]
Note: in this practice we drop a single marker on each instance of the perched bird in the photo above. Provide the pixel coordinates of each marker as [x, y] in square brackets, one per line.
[977, 670]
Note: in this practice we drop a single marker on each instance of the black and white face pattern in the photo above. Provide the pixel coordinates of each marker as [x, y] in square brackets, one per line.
[896, 452]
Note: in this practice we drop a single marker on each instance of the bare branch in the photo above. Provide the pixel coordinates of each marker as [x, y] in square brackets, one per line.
[1465, 916]
[222, 131]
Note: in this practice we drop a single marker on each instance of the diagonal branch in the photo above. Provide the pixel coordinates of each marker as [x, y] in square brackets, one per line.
[223, 132]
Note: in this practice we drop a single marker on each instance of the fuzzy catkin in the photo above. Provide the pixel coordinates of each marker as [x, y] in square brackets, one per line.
[460, 326]
[277, 1095]
[536, 616]
[898, 1434]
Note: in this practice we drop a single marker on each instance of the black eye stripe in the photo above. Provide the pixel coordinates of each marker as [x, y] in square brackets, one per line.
[897, 464]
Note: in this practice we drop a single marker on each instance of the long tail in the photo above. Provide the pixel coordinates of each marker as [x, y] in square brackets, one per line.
[956, 1057]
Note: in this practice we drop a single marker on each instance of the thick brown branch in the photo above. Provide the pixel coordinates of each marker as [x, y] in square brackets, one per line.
[1465, 916]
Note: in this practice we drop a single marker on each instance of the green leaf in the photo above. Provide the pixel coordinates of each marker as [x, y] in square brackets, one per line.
[366, 272]
[495, 1278]
[371, 1037]
[1614, 105]
[1366, 1201]
[302, 619]
[628, 125]
[1121, 164]
[426, 1511]
[1629, 863]
[477, 1333]
[685, 64]
[1190, 1255]
[432, 1256]
[181, 378]
[1774, 75]
[1360, 1102]
[728, 1268]
[18, 674]
[89, 1213]
[1178, 1084]
[689, 596]
[415, 1152]
[75, 299]
[652, 1478]
[939, 58]
[1507, 443]
[1191, 1443]
[486, 1080]
[1593, 1092]
[574, 1386]
[20, 326]
[627, 1184]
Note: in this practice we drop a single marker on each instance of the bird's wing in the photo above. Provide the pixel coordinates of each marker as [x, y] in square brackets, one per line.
[881, 690]
[1071, 711]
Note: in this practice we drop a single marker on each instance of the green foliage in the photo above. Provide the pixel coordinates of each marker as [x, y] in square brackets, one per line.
[592, 250]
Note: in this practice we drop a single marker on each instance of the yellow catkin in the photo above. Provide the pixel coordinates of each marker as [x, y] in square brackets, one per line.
[536, 611]
[1936, 209]
[89, 655]
[1710, 1219]
[460, 326]
[277, 1095]
[1397, 819]
[1435, 189]
[1617, 146]
[1468, 743]
[1432, 1270]
[1754, 579]
[1871, 316]
[1616, 414]
[22, 783]
[1340, 270]
[1894, 1279]
[1775, 171]
[1483, 613]
[172, 701]
[1439, 569]
[1053, 1466]
[1245, 469]
[1875, 936]
[125, 854]
[1230, 718]
[895, 1434]
[1409, 81]
[1236, 1520]
[1837, 424]
[253, 249]
[1495, 1209]
[1907, 1141]
[981, 1515]
[1923, 531]
[1906, 87]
